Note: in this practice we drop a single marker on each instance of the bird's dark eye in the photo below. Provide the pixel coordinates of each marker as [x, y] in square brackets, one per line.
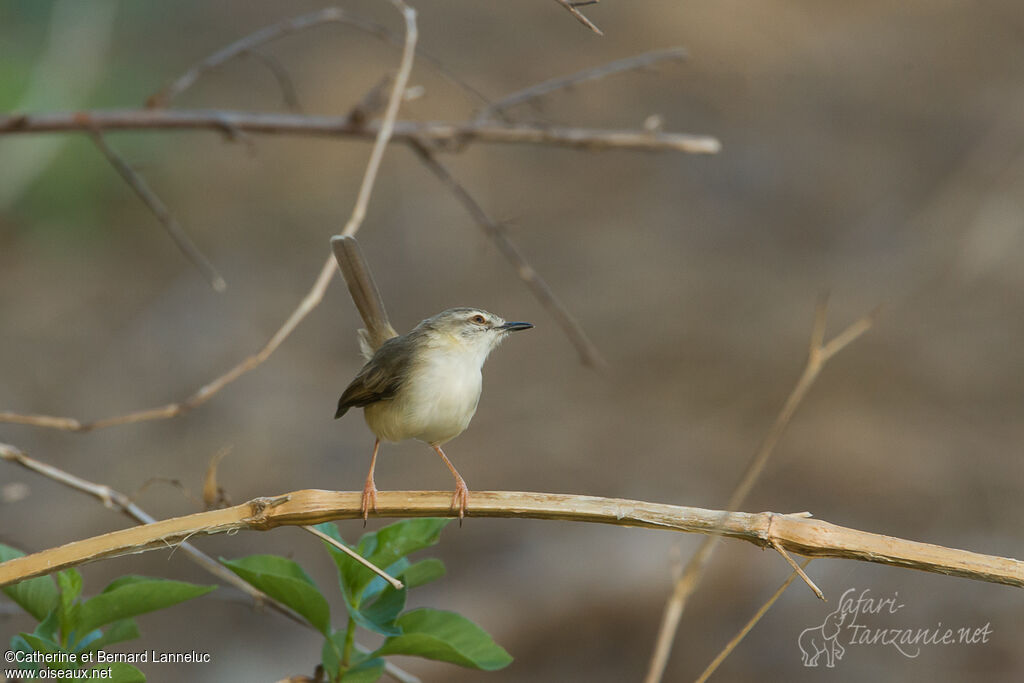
[478, 319]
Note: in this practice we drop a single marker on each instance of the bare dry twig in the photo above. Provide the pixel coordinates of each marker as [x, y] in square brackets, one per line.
[591, 74]
[798, 534]
[390, 115]
[799, 570]
[162, 213]
[819, 353]
[250, 43]
[589, 355]
[398, 585]
[572, 7]
[731, 645]
[442, 134]
[204, 393]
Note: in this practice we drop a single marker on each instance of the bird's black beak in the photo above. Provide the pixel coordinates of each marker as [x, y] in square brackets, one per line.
[514, 327]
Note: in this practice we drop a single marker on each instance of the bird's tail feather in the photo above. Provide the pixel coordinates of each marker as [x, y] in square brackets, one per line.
[364, 293]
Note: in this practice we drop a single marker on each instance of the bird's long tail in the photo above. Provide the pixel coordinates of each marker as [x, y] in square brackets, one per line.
[364, 293]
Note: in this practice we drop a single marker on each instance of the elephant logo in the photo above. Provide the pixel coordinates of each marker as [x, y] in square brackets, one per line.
[823, 640]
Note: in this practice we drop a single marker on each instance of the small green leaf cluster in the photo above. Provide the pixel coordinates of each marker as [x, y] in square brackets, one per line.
[374, 604]
[71, 628]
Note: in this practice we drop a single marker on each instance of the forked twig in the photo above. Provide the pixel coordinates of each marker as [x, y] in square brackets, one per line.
[160, 210]
[589, 355]
[819, 353]
[731, 645]
[251, 42]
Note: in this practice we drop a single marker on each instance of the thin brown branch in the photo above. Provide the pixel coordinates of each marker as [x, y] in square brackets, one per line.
[819, 353]
[251, 43]
[204, 393]
[115, 500]
[162, 213]
[799, 570]
[572, 7]
[440, 134]
[390, 115]
[801, 535]
[591, 74]
[731, 645]
[589, 355]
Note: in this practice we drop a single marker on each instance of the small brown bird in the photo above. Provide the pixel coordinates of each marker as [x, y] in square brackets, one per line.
[422, 385]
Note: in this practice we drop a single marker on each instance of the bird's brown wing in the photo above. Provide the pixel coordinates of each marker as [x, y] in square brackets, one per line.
[380, 379]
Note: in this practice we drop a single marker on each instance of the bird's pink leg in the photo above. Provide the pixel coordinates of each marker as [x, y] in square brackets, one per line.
[370, 488]
[461, 496]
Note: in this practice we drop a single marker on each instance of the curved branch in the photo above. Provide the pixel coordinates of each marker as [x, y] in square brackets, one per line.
[796, 533]
[439, 133]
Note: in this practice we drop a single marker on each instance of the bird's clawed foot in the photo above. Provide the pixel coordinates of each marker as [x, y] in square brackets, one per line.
[370, 489]
[460, 498]
[369, 499]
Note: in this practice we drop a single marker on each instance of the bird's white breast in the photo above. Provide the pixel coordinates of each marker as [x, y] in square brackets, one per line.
[437, 400]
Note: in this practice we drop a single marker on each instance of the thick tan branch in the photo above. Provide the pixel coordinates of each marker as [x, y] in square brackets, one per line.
[799, 534]
[438, 133]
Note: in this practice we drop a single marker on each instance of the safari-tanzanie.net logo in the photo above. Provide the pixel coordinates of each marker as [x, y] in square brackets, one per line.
[860, 621]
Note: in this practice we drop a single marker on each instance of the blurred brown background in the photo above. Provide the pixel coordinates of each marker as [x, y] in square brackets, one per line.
[872, 149]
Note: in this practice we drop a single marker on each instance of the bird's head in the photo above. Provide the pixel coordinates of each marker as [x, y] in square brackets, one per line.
[473, 328]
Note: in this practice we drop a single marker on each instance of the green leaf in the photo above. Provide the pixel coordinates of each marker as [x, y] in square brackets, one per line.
[125, 580]
[424, 571]
[366, 671]
[19, 644]
[36, 596]
[379, 617]
[411, 574]
[45, 645]
[69, 582]
[330, 653]
[383, 548]
[362, 668]
[374, 588]
[286, 581]
[118, 632]
[47, 628]
[124, 673]
[124, 599]
[447, 637]
[40, 643]
[407, 536]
